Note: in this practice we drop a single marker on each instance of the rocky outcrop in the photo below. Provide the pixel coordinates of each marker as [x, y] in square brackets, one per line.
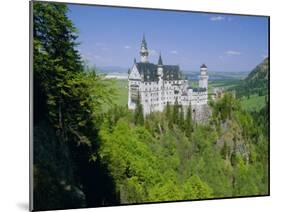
[231, 140]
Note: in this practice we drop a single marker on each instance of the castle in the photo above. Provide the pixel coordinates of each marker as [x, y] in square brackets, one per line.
[157, 85]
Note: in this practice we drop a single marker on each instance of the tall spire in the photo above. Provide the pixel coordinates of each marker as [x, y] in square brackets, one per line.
[143, 43]
[160, 62]
[160, 67]
[144, 51]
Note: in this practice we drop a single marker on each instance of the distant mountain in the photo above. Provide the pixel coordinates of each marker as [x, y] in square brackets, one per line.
[260, 73]
[256, 82]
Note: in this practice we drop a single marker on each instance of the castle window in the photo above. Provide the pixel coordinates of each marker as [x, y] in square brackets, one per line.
[134, 92]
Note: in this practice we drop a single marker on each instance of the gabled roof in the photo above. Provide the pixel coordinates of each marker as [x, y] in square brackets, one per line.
[148, 71]
[172, 72]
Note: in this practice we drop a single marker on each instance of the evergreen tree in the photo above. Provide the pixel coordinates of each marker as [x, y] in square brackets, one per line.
[168, 110]
[181, 118]
[169, 115]
[67, 100]
[176, 112]
[139, 117]
[188, 122]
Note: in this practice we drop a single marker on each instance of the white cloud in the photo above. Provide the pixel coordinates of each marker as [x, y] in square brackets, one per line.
[127, 47]
[217, 18]
[174, 52]
[232, 52]
[99, 44]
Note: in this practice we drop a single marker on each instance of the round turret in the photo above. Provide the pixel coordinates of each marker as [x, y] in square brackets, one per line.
[203, 77]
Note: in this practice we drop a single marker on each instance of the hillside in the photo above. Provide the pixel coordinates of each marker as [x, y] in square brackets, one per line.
[256, 83]
[259, 73]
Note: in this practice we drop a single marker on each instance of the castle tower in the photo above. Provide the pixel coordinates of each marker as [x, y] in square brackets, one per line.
[160, 67]
[160, 84]
[203, 77]
[144, 51]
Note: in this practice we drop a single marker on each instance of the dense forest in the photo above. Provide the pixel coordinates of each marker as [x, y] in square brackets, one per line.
[85, 156]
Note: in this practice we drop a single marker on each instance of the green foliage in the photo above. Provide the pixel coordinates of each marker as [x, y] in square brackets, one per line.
[72, 97]
[176, 112]
[129, 158]
[253, 103]
[70, 101]
[169, 114]
[256, 83]
[245, 179]
[224, 108]
[194, 188]
[188, 122]
[159, 162]
[139, 117]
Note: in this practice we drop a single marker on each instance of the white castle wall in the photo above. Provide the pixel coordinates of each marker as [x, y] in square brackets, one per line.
[155, 95]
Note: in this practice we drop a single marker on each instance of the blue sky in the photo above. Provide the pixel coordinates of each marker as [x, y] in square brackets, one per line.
[112, 36]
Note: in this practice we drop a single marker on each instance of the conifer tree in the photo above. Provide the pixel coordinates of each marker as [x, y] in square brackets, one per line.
[176, 112]
[181, 118]
[139, 117]
[169, 115]
[67, 100]
[188, 122]
[168, 110]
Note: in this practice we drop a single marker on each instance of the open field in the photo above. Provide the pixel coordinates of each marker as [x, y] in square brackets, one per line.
[226, 84]
[121, 88]
[253, 103]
